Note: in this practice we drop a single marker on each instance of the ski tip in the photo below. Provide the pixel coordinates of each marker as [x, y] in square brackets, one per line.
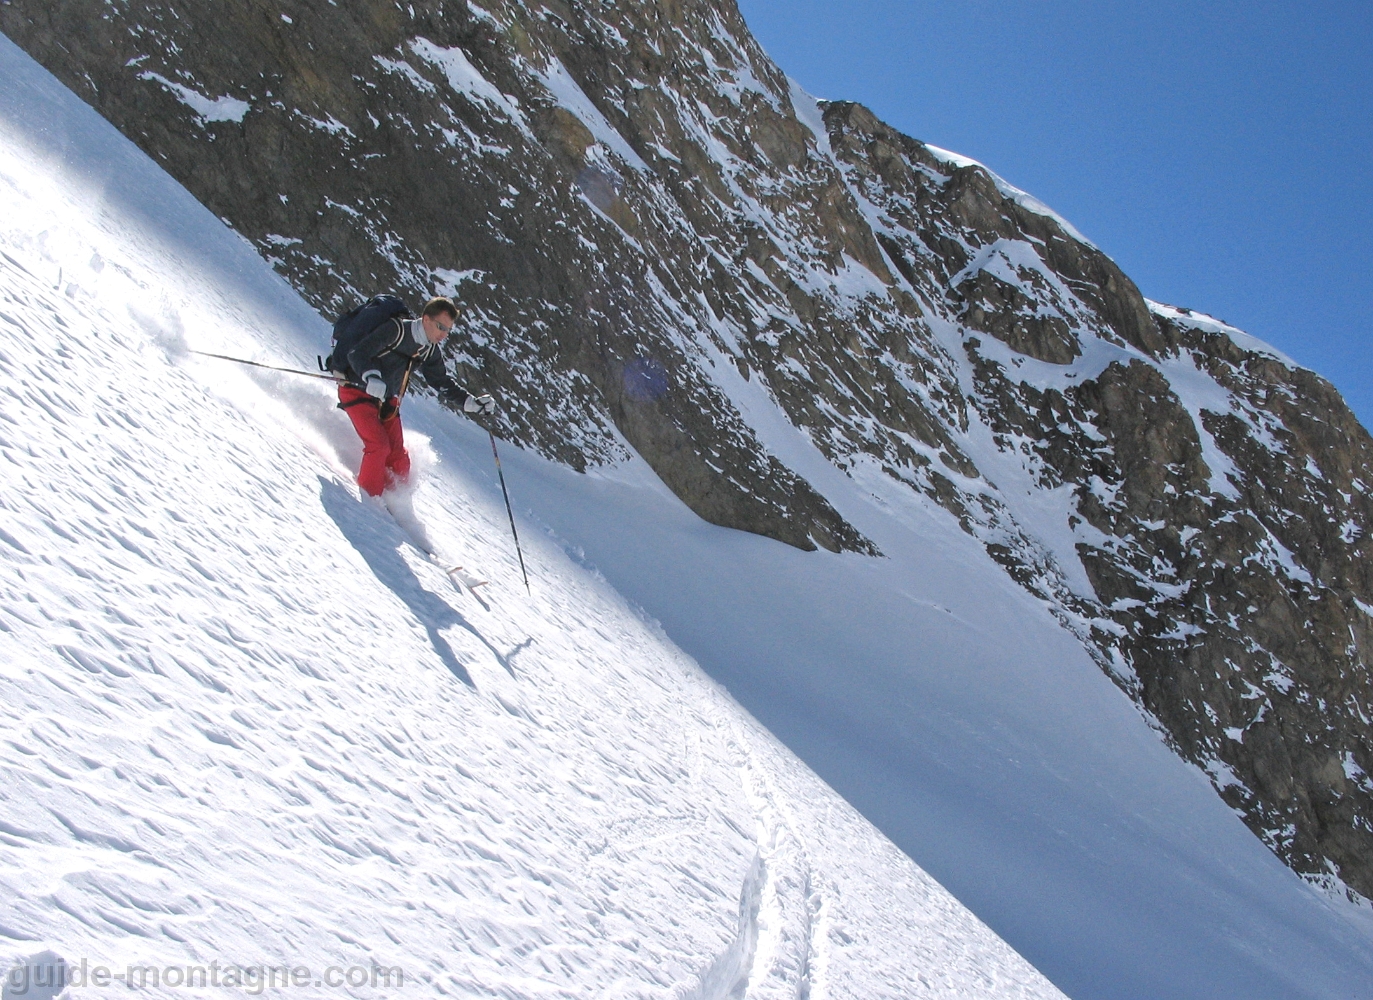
[465, 579]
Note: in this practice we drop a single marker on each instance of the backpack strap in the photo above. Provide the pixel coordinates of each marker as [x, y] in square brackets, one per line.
[400, 336]
[405, 382]
[422, 353]
[391, 349]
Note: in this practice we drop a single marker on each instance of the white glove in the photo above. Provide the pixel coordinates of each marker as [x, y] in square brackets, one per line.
[479, 404]
[374, 385]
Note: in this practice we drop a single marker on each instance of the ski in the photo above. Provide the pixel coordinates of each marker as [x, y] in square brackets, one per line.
[459, 575]
[400, 512]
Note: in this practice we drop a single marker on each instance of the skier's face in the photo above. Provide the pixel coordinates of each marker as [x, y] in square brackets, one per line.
[436, 328]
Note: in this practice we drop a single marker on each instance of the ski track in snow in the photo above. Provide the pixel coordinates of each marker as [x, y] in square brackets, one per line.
[243, 721]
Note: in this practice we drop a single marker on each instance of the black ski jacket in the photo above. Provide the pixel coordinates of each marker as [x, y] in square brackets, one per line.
[395, 349]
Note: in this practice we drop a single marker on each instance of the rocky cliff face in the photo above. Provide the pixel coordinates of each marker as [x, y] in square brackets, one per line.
[664, 245]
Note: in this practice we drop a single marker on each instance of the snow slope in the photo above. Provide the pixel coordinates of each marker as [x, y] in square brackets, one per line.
[244, 723]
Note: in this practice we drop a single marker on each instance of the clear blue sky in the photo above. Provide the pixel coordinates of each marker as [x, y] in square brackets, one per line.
[1220, 152]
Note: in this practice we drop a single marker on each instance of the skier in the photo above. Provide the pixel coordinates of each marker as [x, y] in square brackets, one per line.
[378, 366]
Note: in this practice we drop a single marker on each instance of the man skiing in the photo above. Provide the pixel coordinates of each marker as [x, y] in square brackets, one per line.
[378, 366]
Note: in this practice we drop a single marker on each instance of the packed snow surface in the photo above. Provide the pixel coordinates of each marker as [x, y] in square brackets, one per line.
[246, 723]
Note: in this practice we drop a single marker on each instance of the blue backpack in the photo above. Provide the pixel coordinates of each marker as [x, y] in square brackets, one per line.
[357, 323]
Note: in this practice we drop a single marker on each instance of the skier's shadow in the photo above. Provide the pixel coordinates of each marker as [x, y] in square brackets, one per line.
[378, 542]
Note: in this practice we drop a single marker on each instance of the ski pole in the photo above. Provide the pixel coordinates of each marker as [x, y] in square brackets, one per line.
[509, 512]
[258, 364]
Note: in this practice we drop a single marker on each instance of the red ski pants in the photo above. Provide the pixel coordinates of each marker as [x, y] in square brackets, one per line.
[384, 458]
